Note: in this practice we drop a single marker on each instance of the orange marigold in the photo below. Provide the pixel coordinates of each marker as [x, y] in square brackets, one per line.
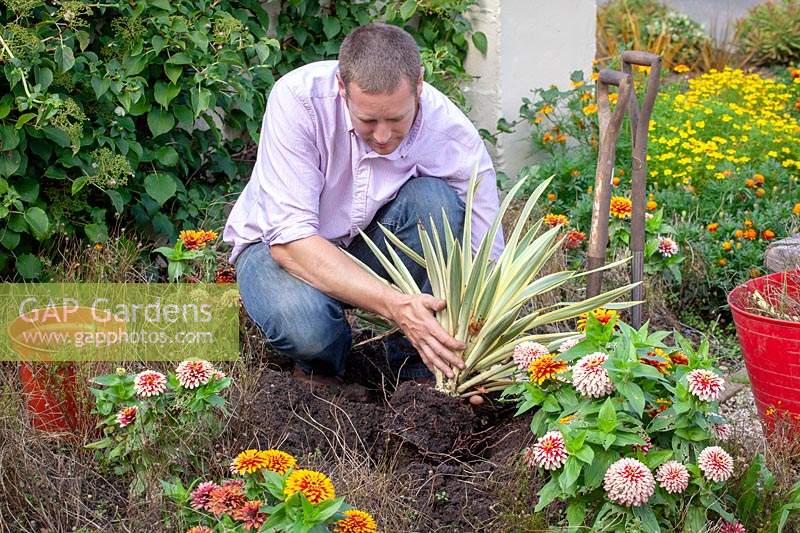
[620, 207]
[768, 234]
[552, 219]
[796, 209]
[748, 223]
[315, 486]
[356, 521]
[546, 367]
[750, 183]
[547, 137]
[750, 234]
[722, 262]
[551, 197]
[759, 179]
[652, 205]
[615, 181]
[738, 234]
[196, 239]
[713, 227]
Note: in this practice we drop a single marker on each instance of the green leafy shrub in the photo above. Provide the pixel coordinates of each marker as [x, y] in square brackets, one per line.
[614, 413]
[770, 33]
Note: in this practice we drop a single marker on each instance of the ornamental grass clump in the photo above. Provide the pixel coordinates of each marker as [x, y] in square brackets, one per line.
[491, 305]
[628, 444]
[269, 493]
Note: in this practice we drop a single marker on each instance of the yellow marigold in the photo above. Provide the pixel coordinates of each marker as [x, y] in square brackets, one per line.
[604, 316]
[796, 209]
[547, 137]
[620, 207]
[546, 367]
[760, 192]
[249, 461]
[590, 109]
[652, 205]
[738, 234]
[279, 461]
[727, 245]
[315, 486]
[546, 109]
[551, 197]
[196, 239]
[552, 219]
[759, 179]
[680, 68]
[356, 521]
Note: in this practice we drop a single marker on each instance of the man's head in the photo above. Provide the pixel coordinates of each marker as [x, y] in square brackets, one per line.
[380, 77]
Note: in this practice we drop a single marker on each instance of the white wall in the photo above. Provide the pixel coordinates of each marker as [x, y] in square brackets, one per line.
[531, 44]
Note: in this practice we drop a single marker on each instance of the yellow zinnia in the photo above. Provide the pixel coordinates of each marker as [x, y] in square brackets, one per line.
[315, 486]
[279, 461]
[248, 461]
[621, 207]
[356, 521]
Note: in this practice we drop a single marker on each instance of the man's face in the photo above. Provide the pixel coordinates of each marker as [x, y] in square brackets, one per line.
[382, 120]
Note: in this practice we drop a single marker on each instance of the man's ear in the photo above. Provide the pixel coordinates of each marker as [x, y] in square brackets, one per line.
[342, 88]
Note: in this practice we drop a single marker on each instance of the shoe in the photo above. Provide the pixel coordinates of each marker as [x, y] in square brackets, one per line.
[332, 384]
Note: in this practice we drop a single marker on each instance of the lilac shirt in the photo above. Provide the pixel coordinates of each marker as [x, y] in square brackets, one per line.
[315, 176]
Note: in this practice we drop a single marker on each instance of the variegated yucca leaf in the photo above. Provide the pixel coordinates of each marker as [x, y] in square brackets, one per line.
[488, 301]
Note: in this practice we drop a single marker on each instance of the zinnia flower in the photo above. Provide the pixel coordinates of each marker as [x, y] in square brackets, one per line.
[604, 316]
[356, 521]
[196, 239]
[200, 529]
[126, 415]
[733, 527]
[590, 378]
[574, 239]
[225, 275]
[569, 344]
[673, 477]
[620, 207]
[226, 499]
[667, 247]
[646, 447]
[722, 431]
[249, 461]
[202, 494]
[150, 383]
[662, 366]
[550, 452]
[527, 352]
[629, 482]
[194, 372]
[249, 514]
[552, 219]
[679, 358]
[546, 367]
[716, 463]
[315, 486]
[278, 461]
[705, 384]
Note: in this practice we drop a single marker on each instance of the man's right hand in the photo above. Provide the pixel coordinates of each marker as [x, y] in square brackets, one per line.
[415, 316]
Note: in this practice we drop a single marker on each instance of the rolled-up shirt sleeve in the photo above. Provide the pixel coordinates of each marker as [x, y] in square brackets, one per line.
[287, 168]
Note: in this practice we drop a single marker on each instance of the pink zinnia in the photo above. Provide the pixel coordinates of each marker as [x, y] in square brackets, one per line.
[646, 447]
[667, 247]
[194, 372]
[527, 352]
[673, 477]
[127, 415]
[705, 384]
[590, 378]
[716, 464]
[549, 452]
[629, 482]
[733, 527]
[722, 431]
[569, 344]
[202, 494]
[150, 383]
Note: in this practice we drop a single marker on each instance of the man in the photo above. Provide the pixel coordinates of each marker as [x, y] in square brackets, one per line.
[344, 146]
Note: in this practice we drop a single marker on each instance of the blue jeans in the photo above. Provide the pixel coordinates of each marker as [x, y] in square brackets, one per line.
[310, 327]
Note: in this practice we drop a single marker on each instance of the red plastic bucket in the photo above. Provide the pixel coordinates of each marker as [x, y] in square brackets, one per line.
[771, 347]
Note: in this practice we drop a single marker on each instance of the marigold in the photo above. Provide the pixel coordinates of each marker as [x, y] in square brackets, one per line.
[748, 223]
[356, 521]
[546, 367]
[796, 209]
[768, 234]
[713, 227]
[249, 515]
[727, 245]
[722, 262]
[738, 234]
[561, 138]
[551, 197]
[680, 68]
[315, 486]
[652, 205]
[750, 183]
[196, 239]
[620, 207]
[760, 192]
[547, 137]
[552, 220]
[249, 461]
[628, 482]
[615, 181]
[750, 234]
[705, 384]
[716, 464]
[590, 109]
[759, 179]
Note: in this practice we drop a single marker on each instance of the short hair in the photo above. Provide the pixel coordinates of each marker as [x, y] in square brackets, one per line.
[377, 56]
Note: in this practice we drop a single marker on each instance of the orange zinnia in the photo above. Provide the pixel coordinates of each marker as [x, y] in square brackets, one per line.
[315, 486]
[546, 367]
[196, 239]
[552, 219]
[620, 207]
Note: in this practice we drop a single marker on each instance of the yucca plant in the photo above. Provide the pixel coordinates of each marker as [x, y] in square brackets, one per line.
[490, 303]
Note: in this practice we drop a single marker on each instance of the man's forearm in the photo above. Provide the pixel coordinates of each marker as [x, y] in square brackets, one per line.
[323, 266]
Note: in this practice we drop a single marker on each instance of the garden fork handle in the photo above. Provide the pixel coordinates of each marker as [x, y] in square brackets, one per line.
[609, 133]
[640, 123]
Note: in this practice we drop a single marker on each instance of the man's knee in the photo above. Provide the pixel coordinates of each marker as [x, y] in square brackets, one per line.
[307, 331]
[429, 196]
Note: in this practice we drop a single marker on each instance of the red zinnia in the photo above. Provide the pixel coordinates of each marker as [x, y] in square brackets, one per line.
[250, 515]
[126, 415]
[716, 463]
[150, 383]
[705, 384]
[628, 482]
